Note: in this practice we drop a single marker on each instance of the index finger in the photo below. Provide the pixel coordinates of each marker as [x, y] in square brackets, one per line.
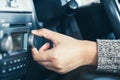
[48, 34]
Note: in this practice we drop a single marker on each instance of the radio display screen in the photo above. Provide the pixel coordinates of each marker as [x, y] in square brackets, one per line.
[17, 39]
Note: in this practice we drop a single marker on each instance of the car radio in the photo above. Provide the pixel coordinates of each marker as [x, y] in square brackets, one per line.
[16, 22]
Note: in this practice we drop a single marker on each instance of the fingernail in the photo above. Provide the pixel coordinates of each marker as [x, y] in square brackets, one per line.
[35, 50]
[34, 31]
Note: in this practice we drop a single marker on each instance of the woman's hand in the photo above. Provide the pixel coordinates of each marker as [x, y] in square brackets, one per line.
[67, 53]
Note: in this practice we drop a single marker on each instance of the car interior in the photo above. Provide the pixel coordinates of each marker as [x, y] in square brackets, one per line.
[98, 20]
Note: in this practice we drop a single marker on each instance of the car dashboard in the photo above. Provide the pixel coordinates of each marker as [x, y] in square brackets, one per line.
[88, 21]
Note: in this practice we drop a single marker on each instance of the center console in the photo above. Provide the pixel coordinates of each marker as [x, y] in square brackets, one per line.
[16, 22]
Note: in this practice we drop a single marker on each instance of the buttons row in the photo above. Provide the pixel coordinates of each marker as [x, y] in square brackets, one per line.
[13, 68]
[14, 61]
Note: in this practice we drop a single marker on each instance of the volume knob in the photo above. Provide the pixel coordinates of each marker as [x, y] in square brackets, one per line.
[6, 44]
[31, 40]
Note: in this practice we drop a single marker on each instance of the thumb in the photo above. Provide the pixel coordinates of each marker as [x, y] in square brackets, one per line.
[51, 35]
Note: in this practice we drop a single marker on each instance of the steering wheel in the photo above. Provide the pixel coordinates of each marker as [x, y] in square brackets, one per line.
[112, 8]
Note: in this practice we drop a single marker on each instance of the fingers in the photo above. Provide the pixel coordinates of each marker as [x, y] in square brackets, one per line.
[45, 47]
[53, 36]
[40, 56]
[44, 59]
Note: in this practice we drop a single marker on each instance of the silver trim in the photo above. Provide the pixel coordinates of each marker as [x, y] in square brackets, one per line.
[1, 57]
[83, 3]
[1, 33]
[64, 2]
[118, 4]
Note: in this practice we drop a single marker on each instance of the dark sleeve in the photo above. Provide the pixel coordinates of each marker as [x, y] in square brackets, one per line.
[108, 56]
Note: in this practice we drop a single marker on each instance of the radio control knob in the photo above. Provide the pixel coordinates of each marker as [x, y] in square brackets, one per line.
[6, 44]
[31, 40]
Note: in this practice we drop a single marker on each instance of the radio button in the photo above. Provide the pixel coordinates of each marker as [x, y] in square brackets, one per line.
[4, 71]
[25, 58]
[4, 63]
[6, 25]
[29, 24]
[4, 54]
[22, 59]
[15, 61]
[11, 62]
[24, 65]
[21, 66]
[14, 68]
[18, 60]
[9, 69]
[18, 67]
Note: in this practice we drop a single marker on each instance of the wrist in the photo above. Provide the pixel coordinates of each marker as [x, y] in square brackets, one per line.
[91, 53]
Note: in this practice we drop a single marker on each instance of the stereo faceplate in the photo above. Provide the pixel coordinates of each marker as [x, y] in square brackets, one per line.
[16, 23]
